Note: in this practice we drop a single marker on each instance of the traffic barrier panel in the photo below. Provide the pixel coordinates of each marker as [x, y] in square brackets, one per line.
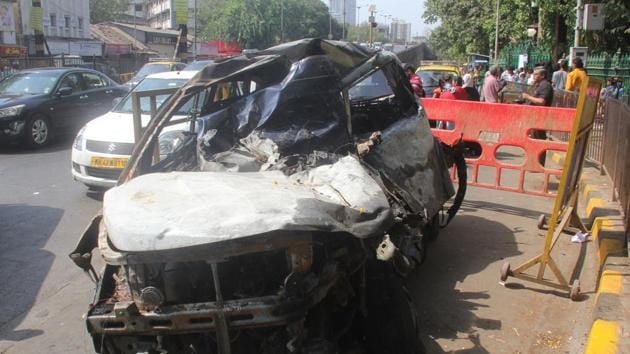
[492, 126]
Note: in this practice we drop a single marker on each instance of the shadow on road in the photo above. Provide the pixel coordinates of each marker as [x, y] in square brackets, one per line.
[444, 311]
[24, 264]
[61, 142]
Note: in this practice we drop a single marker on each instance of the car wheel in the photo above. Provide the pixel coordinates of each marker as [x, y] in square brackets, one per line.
[38, 131]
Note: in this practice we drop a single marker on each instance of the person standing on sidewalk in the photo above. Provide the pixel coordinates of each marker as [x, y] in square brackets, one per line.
[491, 85]
[559, 77]
[576, 76]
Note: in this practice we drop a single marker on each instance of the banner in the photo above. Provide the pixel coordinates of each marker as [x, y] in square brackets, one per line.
[181, 12]
[7, 17]
[36, 19]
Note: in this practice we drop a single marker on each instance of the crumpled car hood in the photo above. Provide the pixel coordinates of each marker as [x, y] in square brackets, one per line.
[182, 209]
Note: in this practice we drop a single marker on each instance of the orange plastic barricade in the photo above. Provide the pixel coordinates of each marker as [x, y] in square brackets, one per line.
[493, 125]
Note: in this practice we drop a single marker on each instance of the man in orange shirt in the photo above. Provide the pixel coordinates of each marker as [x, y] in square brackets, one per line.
[576, 76]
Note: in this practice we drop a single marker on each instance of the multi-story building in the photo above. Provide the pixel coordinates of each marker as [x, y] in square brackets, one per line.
[400, 31]
[66, 25]
[336, 8]
[161, 14]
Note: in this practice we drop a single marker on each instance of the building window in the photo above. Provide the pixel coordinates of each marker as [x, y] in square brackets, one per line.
[80, 23]
[66, 21]
[53, 20]
[138, 8]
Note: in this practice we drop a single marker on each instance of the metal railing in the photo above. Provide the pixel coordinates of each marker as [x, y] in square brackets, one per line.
[615, 147]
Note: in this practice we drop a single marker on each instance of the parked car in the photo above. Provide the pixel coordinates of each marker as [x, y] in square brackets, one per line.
[36, 104]
[154, 68]
[198, 64]
[282, 223]
[431, 72]
[102, 147]
[104, 68]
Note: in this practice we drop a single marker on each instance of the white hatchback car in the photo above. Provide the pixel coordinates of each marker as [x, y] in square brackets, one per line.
[103, 146]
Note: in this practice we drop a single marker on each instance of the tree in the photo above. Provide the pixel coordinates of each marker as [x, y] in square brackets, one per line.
[106, 10]
[468, 26]
[257, 23]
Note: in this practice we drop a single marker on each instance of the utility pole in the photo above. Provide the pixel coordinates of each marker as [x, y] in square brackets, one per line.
[343, 30]
[281, 21]
[371, 24]
[330, 36]
[195, 33]
[496, 34]
[578, 23]
[36, 12]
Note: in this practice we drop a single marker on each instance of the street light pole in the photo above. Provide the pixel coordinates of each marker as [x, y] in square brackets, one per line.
[330, 36]
[195, 34]
[282, 21]
[343, 30]
[496, 34]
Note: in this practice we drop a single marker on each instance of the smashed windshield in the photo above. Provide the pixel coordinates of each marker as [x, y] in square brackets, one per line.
[30, 83]
[125, 106]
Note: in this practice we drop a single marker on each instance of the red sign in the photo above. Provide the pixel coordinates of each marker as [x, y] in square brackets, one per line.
[117, 49]
[12, 51]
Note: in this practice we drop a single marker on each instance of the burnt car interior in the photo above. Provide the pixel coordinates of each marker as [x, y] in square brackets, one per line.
[311, 161]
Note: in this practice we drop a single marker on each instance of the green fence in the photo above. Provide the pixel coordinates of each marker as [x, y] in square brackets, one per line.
[601, 66]
[604, 66]
[535, 54]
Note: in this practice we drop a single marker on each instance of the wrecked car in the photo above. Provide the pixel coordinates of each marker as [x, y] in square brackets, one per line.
[281, 219]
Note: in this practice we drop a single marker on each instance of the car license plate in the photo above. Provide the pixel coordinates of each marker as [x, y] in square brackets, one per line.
[104, 162]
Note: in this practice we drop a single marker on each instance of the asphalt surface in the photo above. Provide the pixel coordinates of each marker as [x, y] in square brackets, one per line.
[42, 213]
[461, 306]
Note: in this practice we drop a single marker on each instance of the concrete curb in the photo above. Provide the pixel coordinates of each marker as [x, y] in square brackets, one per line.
[611, 326]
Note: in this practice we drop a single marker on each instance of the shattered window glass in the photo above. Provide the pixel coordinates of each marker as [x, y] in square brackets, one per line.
[373, 86]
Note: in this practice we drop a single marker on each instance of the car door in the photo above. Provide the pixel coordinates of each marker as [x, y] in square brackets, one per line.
[68, 106]
[100, 95]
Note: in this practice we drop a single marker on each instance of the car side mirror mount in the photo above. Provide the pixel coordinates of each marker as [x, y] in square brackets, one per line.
[64, 91]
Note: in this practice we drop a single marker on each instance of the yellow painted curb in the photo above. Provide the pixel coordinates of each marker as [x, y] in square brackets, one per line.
[608, 246]
[611, 282]
[604, 224]
[603, 338]
[592, 204]
[588, 188]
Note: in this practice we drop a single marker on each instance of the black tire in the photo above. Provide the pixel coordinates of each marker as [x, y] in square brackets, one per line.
[391, 326]
[37, 131]
[431, 231]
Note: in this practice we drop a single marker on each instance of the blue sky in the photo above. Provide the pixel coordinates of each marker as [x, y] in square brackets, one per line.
[407, 10]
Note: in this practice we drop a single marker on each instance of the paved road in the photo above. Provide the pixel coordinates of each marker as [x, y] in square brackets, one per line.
[42, 212]
[462, 307]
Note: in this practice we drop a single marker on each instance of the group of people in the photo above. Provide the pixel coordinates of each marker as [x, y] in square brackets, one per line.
[544, 78]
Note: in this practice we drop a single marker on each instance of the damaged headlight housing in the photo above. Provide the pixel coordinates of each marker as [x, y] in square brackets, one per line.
[170, 142]
[11, 111]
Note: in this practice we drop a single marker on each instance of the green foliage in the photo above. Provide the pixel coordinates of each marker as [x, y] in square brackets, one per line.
[468, 26]
[257, 23]
[106, 10]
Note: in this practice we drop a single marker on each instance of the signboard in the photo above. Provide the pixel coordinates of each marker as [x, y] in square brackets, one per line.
[594, 15]
[57, 47]
[36, 19]
[522, 60]
[117, 49]
[12, 51]
[578, 52]
[181, 12]
[7, 17]
[86, 49]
